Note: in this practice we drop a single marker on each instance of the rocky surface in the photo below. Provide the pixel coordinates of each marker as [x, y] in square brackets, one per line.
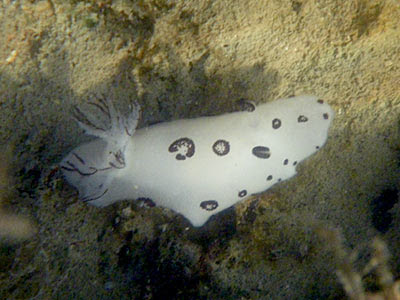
[182, 59]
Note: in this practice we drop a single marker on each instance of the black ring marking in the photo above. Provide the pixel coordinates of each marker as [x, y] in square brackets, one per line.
[276, 123]
[242, 193]
[221, 147]
[302, 119]
[326, 116]
[261, 152]
[209, 205]
[184, 145]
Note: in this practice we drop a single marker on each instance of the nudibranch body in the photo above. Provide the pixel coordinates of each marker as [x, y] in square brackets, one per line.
[197, 167]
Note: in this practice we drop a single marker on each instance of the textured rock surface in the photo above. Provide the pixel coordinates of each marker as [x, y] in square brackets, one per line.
[187, 59]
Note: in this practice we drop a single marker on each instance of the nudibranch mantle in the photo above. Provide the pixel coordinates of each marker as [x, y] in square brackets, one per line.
[196, 167]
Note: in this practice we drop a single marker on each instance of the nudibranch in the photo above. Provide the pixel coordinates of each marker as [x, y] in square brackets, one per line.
[196, 167]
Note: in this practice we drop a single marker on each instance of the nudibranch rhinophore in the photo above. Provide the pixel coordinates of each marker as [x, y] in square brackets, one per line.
[196, 167]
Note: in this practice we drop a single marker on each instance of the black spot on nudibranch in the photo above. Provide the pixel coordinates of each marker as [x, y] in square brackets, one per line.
[302, 119]
[269, 177]
[286, 161]
[209, 205]
[320, 101]
[276, 123]
[242, 193]
[326, 116]
[221, 147]
[261, 152]
[295, 163]
[183, 145]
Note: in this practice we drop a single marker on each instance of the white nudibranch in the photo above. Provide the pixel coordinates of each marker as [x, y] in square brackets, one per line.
[196, 167]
